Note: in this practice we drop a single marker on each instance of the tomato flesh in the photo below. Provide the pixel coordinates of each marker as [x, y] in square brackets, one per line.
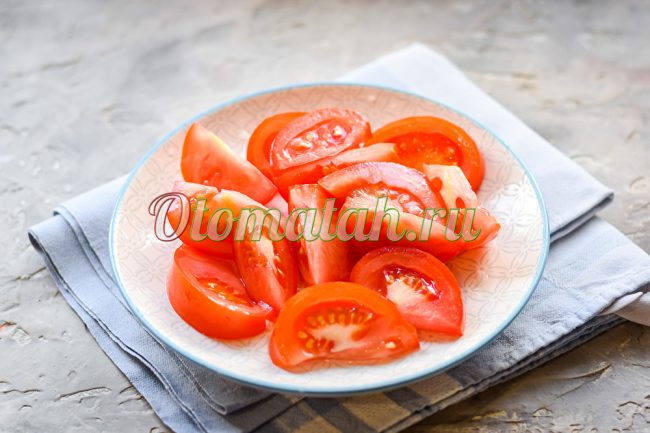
[207, 293]
[209, 161]
[384, 177]
[316, 135]
[312, 172]
[195, 192]
[340, 321]
[432, 140]
[319, 260]
[456, 192]
[258, 151]
[268, 269]
[423, 288]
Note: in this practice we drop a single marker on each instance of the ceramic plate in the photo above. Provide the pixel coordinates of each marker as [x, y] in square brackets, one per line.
[497, 280]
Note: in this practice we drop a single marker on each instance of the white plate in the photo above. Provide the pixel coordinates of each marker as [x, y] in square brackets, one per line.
[496, 280]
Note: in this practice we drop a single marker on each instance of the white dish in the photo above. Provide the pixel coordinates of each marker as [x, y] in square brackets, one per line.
[496, 280]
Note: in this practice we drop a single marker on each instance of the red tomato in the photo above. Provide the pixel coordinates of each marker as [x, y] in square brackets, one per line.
[405, 187]
[435, 243]
[311, 172]
[431, 140]
[423, 288]
[195, 192]
[340, 321]
[208, 294]
[319, 260]
[317, 135]
[456, 192]
[267, 266]
[259, 145]
[207, 160]
[407, 191]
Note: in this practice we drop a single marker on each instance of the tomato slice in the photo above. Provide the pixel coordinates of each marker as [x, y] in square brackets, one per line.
[432, 140]
[267, 266]
[436, 243]
[312, 172]
[319, 134]
[259, 144]
[207, 293]
[423, 288]
[406, 188]
[319, 260]
[207, 160]
[195, 192]
[456, 192]
[340, 321]
[268, 269]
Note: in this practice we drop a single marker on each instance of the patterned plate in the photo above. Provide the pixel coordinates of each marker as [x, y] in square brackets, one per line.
[497, 280]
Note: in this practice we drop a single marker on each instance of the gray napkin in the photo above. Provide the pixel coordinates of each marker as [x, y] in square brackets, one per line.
[589, 270]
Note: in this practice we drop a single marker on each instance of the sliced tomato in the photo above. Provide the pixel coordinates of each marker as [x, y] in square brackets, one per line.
[312, 172]
[423, 288]
[317, 135]
[437, 241]
[432, 140]
[456, 192]
[405, 187]
[266, 261]
[259, 144]
[207, 293]
[408, 191]
[319, 260]
[198, 238]
[340, 321]
[209, 161]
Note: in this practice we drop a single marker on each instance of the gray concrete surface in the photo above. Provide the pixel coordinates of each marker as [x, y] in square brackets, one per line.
[87, 86]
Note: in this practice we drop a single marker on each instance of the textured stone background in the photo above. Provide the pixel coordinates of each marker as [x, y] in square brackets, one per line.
[87, 86]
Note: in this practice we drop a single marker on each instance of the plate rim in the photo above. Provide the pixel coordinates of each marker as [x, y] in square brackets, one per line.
[386, 384]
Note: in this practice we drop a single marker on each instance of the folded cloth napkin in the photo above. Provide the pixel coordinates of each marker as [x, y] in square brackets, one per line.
[593, 269]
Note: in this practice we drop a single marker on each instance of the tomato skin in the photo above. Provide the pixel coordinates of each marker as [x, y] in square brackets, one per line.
[445, 142]
[440, 312]
[385, 335]
[258, 151]
[209, 161]
[195, 192]
[319, 260]
[317, 135]
[214, 315]
[312, 172]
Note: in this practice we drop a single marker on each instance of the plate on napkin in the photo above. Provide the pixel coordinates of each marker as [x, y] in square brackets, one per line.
[496, 280]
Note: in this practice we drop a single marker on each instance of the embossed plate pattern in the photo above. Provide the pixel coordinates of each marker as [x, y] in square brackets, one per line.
[496, 280]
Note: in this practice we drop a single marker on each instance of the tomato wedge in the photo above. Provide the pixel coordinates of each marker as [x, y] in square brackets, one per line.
[207, 293]
[456, 192]
[312, 172]
[319, 260]
[404, 186]
[267, 266]
[432, 140]
[407, 190]
[423, 288]
[340, 321]
[197, 238]
[317, 135]
[207, 160]
[259, 144]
